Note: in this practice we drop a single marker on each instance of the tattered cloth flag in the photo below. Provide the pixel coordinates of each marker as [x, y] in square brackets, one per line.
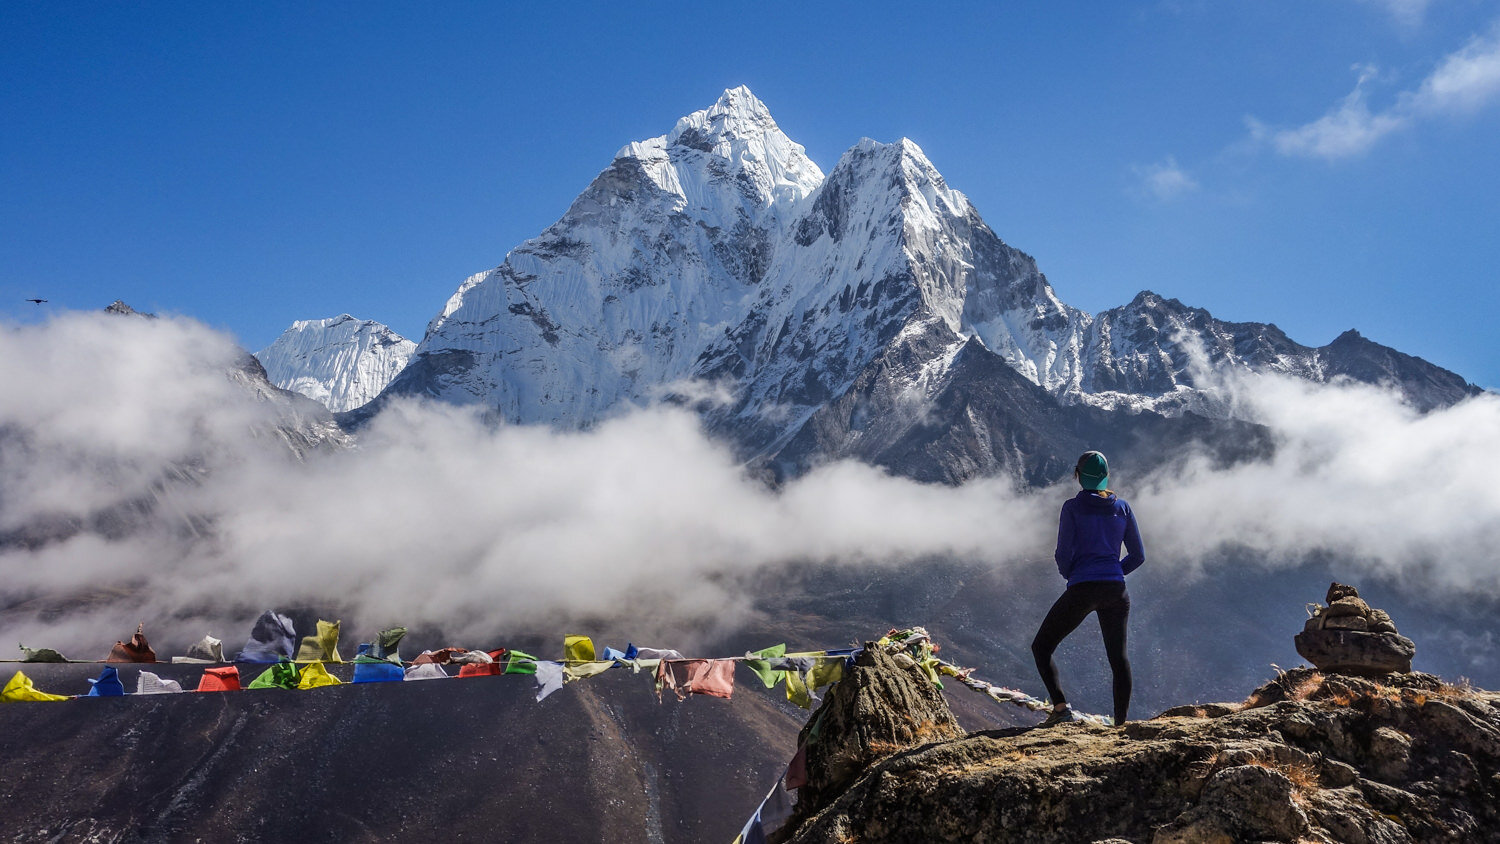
[271, 639]
[579, 661]
[207, 649]
[136, 650]
[633, 652]
[475, 667]
[519, 662]
[314, 675]
[147, 683]
[443, 656]
[426, 671]
[713, 677]
[224, 679]
[41, 655]
[20, 690]
[324, 647]
[759, 662]
[282, 675]
[108, 684]
[369, 669]
[387, 645]
[549, 678]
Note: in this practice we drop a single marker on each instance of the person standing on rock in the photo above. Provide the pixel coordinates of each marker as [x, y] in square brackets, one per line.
[1092, 527]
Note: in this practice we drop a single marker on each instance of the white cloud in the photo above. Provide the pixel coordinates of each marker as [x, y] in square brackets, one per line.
[440, 519]
[1463, 82]
[1348, 130]
[1166, 180]
[1466, 81]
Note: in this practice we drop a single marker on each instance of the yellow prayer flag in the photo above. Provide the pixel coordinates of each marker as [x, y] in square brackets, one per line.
[20, 689]
[796, 690]
[315, 675]
[324, 647]
[825, 671]
[580, 670]
[578, 649]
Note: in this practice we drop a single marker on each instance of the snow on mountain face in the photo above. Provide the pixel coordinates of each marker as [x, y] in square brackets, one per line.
[718, 252]
[341, 362]
[662, 253]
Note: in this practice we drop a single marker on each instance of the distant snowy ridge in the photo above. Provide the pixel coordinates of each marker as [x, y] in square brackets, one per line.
[341, 362]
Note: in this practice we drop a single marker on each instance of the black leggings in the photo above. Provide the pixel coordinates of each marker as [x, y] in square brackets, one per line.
[1112, 602]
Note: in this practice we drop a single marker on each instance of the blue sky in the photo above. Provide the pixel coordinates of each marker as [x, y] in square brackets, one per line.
[1319, 164]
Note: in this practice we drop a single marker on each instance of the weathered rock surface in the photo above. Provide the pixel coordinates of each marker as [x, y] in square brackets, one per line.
[1354, 651]
[1309, 757]
[879, 708]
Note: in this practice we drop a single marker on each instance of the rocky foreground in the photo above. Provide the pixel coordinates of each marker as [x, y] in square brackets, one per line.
[1307, 757]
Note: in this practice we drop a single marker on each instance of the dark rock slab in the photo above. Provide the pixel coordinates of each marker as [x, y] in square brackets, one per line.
[1356, 652]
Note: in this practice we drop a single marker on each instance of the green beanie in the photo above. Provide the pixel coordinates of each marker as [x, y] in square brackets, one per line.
[1092, 470]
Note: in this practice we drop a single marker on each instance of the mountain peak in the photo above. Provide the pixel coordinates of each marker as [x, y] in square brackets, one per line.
[737, 112]
[735, 139]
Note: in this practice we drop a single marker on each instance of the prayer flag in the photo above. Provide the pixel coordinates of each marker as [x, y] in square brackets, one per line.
[135, 651]
[762, 666]
[549, 678]
[314, 676]
[108, 684]
[271, 639]
[322, 647]
[147, 683]
[282, 675]
[578, 649]
[372, 670]
[225, 679]
[19, 689]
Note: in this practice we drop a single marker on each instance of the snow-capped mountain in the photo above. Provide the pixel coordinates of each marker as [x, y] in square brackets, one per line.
[871, 313]
[655, 260]
[342, 362]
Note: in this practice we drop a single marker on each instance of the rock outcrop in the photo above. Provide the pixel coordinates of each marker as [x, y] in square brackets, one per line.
[1349, 637]
[1308, 757]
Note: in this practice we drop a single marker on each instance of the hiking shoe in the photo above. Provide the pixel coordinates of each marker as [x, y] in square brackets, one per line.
[1066, 715]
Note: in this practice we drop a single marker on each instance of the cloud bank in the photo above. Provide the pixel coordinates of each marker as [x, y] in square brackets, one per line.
[440, 519]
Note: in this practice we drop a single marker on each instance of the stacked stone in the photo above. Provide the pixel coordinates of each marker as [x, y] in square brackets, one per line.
[1347, 611]
[1350, 637]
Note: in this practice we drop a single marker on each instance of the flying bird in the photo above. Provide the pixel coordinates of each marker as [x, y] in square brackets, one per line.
[36, 301]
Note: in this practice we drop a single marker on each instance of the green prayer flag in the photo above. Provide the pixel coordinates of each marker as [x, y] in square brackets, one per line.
[518, 662]
[762, 668]
[41, 655]
[282, 675]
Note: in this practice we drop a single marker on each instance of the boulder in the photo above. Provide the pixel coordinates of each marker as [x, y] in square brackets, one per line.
[1347, 607]
[1338, 590]
[1346, 622]
[877, 709]
[1355, 652]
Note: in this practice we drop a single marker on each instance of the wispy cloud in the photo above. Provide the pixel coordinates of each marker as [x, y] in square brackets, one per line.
[1407, 14]
[1464, 82]
[1166, 180]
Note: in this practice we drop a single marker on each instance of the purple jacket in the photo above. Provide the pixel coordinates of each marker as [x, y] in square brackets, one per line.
[1089, 533]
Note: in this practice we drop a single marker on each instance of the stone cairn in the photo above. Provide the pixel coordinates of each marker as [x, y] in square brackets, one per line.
[1349, 637]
